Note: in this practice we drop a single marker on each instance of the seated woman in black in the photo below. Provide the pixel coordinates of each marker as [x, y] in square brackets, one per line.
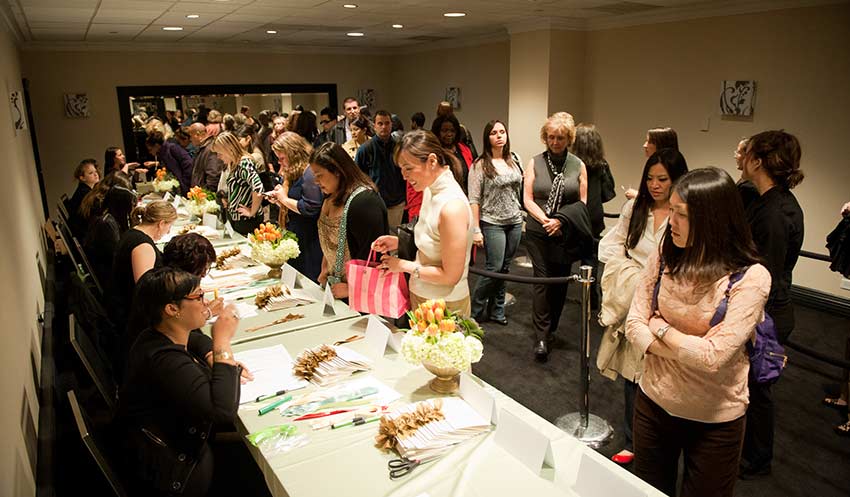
[172, 395]
[194, 254]
[104, 231]
[135, 255]
[87, 176]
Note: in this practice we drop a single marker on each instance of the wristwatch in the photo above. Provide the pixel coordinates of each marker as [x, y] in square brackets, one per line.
[224, 355]
[416, 271]
[660, 332]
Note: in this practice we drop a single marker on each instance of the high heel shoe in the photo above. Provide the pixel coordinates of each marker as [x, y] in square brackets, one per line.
[623, 457]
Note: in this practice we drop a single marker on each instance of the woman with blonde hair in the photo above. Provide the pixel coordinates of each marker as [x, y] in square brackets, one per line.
[558, 230]
[443, 233]
[214, 126]
[242, 186]
[137, 254]
[300, 200]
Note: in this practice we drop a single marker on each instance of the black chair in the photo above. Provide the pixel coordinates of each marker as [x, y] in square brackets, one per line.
[94, 364]
[63, 206]
[78, 255]
[92, 441]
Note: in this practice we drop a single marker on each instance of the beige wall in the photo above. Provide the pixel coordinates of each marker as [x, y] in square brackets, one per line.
[419, 81]
[529, 90]
[21, 290]
[63, 141]
[567, 51]
[670, 74]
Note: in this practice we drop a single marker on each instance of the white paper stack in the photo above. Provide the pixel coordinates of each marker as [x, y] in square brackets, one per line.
[293, 298]
[272, 370]
[242, 260]
[460, 423]
[231, 278]
[342, 363]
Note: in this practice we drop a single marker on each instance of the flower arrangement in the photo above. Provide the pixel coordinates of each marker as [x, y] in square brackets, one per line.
[441, 337]
[201, 202]
[164, 181]
[272, 246]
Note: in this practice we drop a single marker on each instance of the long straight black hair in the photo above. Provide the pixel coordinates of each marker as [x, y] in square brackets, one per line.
[674, 162]
[486, 157]
[719, 238]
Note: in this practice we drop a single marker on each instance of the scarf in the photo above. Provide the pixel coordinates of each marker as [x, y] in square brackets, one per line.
[556, 193]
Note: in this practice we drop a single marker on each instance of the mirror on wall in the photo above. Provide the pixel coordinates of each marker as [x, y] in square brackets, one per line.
[136, 101]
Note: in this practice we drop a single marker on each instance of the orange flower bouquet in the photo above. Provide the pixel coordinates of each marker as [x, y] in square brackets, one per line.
[273, 247]
[200, 202]
[441, 337]
[165, 181]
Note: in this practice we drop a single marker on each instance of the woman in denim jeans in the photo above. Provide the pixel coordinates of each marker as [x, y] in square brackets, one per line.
[495, 185]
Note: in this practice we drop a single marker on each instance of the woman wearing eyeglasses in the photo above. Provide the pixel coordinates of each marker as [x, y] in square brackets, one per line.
[178, 384]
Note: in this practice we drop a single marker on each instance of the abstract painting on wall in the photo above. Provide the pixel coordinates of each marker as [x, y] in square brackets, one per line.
[19, 116]
[453, 96]
[737, 98]
[366, 98]
[76, 105]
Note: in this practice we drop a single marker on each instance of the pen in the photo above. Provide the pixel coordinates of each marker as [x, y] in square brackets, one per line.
[271, 407]
[355, 422]
[270, 395]
[215, 294]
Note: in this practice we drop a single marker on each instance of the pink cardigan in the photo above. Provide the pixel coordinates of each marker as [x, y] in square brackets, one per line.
[708, 380]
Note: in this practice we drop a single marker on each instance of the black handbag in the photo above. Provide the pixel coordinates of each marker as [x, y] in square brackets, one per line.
[406, 241]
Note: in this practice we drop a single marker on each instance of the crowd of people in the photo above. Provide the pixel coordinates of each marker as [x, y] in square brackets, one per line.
[686, 241]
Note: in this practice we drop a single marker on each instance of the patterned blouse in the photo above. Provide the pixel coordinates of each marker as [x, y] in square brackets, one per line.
[241, 182]
[497, 197]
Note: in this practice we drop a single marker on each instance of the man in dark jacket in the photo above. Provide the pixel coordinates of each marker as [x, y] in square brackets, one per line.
[375, 158]
[207, 168]
[175, 158]
[332, 129]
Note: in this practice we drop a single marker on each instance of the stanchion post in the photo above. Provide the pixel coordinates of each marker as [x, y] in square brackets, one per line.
[589, 428]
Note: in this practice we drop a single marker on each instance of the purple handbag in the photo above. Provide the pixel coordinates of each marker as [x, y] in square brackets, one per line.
[767, 356]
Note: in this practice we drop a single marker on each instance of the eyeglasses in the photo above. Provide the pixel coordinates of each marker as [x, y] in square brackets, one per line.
[198, 298]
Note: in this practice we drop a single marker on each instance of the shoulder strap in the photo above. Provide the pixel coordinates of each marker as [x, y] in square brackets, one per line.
[720, 313]
[343, 232]
[657, 286]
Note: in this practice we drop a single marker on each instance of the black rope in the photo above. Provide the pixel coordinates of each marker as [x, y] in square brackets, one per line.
[522, 279]
[839, 363]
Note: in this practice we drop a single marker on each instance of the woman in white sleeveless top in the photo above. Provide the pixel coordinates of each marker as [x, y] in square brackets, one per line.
[443, 233]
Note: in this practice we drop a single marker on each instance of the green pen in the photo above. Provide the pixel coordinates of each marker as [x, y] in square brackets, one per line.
[271, 407]
[355, 422]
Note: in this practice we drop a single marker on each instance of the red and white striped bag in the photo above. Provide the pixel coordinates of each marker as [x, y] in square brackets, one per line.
[374, 291]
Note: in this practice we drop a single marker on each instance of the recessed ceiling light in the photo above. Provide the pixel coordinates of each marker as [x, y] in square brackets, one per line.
[172, 28]
[271, 31]
[398, 26]
[355, 34]
[113, 32]
[350, 6]
[454, 14]
[192, 16]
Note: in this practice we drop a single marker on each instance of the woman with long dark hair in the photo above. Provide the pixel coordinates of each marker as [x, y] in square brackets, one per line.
[693, 391]
[656, 138]
[495, 186]
[352, 216]
[105, 231]
[625, 251]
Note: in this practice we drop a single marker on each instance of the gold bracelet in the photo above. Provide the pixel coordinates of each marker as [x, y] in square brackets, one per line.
[223, 355]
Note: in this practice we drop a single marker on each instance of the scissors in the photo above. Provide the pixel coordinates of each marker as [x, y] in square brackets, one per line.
[401, 466]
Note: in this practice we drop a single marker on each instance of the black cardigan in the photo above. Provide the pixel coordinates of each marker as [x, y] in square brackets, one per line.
[166, 409]
[367, 220]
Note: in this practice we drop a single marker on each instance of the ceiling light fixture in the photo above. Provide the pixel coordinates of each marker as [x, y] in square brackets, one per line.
[350, 6]
[113, 32]
[454, 14]
[192, 16]
[355, 33]
[271, 31]
[172, 28]
[398, 26]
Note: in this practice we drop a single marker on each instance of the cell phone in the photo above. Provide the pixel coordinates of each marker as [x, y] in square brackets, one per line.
[268, 193]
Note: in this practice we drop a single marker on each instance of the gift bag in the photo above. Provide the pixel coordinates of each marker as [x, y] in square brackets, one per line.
[374, 291]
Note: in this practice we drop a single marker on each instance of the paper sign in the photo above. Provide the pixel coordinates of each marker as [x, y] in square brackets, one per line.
[168, 196]
[176, 202]
[395, 341]
[523, 441]
[328, 302]
[210, 220]
[475, 395]
[595, 480]
[228, 230]
[377, 336]
[288, 276]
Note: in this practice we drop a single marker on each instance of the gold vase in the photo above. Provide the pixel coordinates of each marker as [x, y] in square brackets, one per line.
[275, 270]
[445, 381]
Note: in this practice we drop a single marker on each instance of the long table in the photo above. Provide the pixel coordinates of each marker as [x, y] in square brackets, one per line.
[345, 462]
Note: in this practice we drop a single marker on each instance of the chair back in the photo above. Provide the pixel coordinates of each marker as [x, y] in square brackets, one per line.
[91, 359]
[78, 255]
[92, 442]
[63, 207]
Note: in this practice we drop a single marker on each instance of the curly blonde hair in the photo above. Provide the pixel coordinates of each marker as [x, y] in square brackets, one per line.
[559, 121]
[297, 152]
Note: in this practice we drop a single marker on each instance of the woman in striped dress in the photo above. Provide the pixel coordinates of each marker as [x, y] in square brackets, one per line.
[243, 186]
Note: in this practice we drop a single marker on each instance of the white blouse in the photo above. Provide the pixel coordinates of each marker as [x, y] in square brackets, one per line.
[614, 242]
[427, 237]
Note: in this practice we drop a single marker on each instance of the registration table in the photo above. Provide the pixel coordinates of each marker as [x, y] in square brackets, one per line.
[345, 462]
